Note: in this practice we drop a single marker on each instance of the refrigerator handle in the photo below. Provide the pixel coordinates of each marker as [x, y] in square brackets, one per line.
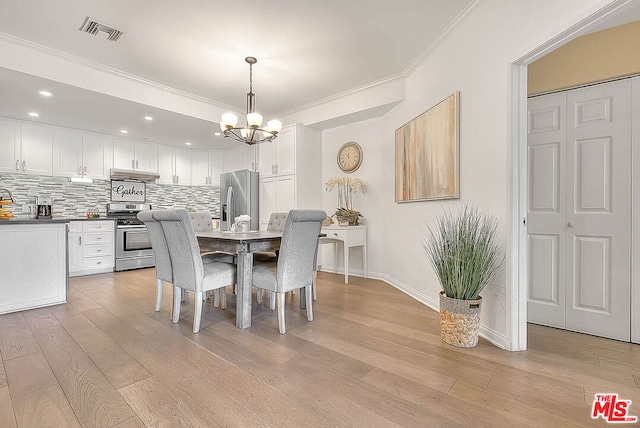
[231, 216]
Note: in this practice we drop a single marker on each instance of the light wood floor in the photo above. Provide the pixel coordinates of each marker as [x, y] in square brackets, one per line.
[371, 358]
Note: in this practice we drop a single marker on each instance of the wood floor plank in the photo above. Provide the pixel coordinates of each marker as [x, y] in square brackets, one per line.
[120, 368]
[16, 339]
[80, 301]
[28, 374]
[93, 399]
[45, 408]
[7, 418]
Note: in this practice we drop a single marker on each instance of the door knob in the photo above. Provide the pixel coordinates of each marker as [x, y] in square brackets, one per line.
[570, 224]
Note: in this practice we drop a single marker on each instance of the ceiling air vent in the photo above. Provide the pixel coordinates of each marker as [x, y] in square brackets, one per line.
[99, 29]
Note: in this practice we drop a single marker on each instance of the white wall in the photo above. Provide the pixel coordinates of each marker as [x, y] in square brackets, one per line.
[476, 60]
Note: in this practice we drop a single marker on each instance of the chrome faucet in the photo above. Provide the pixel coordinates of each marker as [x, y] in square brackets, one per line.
[7, 191]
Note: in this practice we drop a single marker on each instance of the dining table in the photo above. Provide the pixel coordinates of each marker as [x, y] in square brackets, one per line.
[243, 245]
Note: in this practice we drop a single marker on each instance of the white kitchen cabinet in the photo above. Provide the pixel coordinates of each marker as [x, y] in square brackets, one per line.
[278, 156]
[299, 150]
[9, 146]
[206, 168]
[234, 159]
[26, 148]
[81, 154]
[174, 166]
[76, 256]
[91, 247]
[34, 265]
[136, 155]
[216, 167]
[277, 195]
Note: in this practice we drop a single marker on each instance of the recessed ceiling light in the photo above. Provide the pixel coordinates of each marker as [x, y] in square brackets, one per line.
[187, 143]
[33, 114]
[148, 118]
[124, 131]
[45, 93]
[217, 134]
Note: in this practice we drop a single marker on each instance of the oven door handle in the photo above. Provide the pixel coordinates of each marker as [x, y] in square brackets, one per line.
[131, 226]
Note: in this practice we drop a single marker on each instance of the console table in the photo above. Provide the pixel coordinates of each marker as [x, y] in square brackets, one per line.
[350, 236]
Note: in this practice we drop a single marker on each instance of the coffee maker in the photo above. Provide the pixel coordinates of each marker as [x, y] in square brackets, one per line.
[43, 208]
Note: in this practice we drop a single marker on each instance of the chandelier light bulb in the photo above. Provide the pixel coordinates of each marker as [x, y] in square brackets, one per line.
[274, 126]
[254, 119]
[229, 119]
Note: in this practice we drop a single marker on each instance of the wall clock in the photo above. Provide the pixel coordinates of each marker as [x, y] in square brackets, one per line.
[349, 157]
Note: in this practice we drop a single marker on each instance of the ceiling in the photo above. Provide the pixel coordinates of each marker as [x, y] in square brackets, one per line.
[307, 51]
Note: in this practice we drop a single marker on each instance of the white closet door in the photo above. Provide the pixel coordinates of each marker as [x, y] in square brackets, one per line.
[579, 220]
[599, 212]
[546, 220]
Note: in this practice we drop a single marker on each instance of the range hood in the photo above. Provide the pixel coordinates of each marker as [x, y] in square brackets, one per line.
[130, 174]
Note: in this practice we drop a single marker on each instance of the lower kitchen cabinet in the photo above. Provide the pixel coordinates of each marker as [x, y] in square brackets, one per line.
[33, 265]
[91, 247]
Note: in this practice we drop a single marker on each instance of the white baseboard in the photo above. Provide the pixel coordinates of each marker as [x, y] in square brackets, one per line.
[496, 338]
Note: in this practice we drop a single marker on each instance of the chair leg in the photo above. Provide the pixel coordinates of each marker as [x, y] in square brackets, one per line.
[216, 298]
[259, 295]
[197, 312]
[177, 297]
[223, 297]
[159, 296]
[281, 327]
[183, 298]
[272, 300]
[309, 296]
[315, 283]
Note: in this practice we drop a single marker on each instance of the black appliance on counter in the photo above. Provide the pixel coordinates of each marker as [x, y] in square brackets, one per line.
[133, 244]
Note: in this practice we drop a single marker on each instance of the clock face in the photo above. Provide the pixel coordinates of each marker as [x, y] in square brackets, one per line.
[349, 157]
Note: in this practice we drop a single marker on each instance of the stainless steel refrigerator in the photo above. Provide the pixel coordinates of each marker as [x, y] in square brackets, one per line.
[239, 195]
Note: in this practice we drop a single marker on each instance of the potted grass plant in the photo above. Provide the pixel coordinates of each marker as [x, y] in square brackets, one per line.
[466, 256]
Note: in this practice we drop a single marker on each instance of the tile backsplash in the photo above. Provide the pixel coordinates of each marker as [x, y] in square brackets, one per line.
[73, 200]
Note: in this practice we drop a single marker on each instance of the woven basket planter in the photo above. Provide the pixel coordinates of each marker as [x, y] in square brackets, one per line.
[459, 321]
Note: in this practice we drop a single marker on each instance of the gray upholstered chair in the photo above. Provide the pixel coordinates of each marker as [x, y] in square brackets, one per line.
[160, 252]
[201, 222]
[189, 272]
[276, 224]
[162, 259]
[294, 268]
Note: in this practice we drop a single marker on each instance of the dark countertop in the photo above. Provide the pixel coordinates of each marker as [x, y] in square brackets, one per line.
[15, 220]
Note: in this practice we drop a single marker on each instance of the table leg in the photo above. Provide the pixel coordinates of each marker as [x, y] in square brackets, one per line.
[346, 263]
[364, 261]
[245, 279]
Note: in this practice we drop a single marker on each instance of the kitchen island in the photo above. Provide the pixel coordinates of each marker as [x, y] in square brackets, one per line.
[33, 263]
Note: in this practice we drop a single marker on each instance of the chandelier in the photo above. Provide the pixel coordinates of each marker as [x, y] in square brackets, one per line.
[253, 132]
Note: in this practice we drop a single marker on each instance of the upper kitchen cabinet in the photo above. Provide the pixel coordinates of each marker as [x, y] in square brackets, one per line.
[278, 157]
[242, 157]
[206, 168]
[129, 154]
[290, 172]
[9, 146]
[81, 154]
[36, 150]
[174, 166]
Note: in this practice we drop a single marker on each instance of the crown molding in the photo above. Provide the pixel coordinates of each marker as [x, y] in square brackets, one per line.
[460, 19]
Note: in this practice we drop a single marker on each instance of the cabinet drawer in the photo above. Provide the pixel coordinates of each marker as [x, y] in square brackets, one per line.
[97, 226]
[98, 262]
[97, 238]
[75, 226]
[98, 250]
[336, 234]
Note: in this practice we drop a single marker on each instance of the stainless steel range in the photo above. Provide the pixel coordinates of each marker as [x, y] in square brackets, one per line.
[133, 245]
